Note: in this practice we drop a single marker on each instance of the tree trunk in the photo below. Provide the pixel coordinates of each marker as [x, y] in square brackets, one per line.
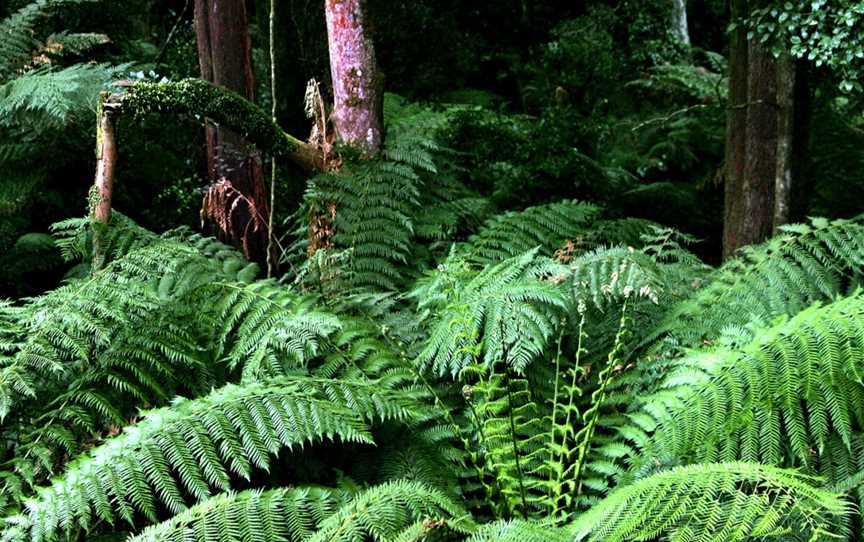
[763, 141]
[357, 84]
[224, 54]
[735, 212]
[679, 21]
[761, 137]
[103, 186]
[785, 138]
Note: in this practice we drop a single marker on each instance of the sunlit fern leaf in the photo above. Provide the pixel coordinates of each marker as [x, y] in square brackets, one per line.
[726, 501]
[546, 226]
[191, 447]
[520, 531]
[289, 515]
[502, 311]
[779, 400]
[385, 512]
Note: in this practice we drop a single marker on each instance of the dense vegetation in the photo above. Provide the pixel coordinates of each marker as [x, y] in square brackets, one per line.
[512, 320]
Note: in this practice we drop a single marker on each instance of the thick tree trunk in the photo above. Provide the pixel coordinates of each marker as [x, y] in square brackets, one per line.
[760, 163]
[224, 54]
[357, 84]
[763, 144]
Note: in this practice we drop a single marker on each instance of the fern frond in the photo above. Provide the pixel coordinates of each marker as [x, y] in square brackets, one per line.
[282, 514]
[726, 501]
[504, 307]
[386, 512]
[804, 264]
[779, 400]
[189, 448]
[546, 226]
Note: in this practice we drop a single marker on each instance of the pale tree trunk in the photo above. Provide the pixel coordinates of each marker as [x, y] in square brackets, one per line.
[357, 84]
[679, 21]
[103, 186]
[224, 54]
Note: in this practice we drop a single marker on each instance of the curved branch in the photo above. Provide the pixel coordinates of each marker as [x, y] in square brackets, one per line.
[196, 97]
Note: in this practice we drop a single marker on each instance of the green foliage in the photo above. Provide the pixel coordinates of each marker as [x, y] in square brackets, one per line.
[280, 514]
[195, 446]
[726, 501]
[782, 399]
[806, 263]
[821, 32]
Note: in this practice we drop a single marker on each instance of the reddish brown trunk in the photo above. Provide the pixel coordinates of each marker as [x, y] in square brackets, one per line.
[357, 85]
[224, 53]
[103, 186]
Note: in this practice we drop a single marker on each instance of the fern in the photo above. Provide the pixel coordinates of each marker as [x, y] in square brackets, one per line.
[280, 514]
[519, 531]
[804, 264]
[204, 441]
[395, 511]
[18, 42]
[781, 399]
[726, 501]
[503, 306]
[547, 226]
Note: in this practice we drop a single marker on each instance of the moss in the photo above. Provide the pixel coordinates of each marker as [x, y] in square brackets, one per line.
[196, 97]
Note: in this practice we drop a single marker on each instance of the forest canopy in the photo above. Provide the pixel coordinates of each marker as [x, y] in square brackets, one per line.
[375, 270]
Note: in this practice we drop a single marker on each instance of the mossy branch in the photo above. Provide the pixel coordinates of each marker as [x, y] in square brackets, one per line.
[196, 97]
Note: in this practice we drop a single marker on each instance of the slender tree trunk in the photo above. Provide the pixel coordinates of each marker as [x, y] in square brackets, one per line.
[785, 138]
[103, 186]
[224, 54]
[679, 21]
[357, 84]
[735, 212]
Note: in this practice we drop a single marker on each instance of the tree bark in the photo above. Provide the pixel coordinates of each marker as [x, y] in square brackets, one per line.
[103, 186]
[785, 137]
[224, 55]
[763, 139]
[357, 84]
[735, 211]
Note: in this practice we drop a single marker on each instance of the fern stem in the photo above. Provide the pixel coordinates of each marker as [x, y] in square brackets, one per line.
[515, 444]
[269, 254]
[598, 397]
[571, 392]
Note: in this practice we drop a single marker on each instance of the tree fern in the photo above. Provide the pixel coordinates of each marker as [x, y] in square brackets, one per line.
[726, 501]
[503, 306]
[779, 400]
[547, 226]
[395, 511]
[280, 514]
[189, 448]
[805, 263]
[17, 31]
